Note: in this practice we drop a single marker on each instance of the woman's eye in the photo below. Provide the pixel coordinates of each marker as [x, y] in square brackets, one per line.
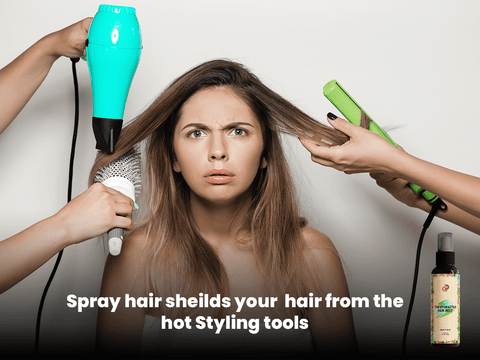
[196, 134]
[238, 132]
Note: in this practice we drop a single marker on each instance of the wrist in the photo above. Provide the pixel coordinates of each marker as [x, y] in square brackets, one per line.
[48, 47]
[397, 163]
[61, 230]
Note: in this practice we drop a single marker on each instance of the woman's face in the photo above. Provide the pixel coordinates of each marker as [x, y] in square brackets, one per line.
[218, 145]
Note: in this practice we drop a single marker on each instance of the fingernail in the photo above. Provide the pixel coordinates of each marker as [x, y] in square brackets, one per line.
[331, 116]
[136, 206]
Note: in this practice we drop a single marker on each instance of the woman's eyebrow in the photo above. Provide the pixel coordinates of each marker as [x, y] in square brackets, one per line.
[196, 125]
[227, 126]
[236, 124]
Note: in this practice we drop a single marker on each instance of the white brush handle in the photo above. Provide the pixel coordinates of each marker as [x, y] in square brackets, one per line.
[121, 184]
[115, 235]
[115, 241]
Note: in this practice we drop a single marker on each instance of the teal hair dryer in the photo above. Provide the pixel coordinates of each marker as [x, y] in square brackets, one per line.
[113, 49]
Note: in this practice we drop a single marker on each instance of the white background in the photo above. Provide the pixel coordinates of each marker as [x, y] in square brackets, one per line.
[412, 65]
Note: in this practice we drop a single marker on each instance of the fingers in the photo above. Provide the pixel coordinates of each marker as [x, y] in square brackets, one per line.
[384, 180]
[117, 196]
[329, 155]
[382, 176]
[339, 124]
[120, 208]
[324, 162]
[342, 125]
[317, 150]
[94, 212]
[119, 204]
[123, 209]
[124, 223]
[363, 152]
[85, 25]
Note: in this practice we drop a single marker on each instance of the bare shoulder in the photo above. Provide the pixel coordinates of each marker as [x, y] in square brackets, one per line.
[319, 250]
[317, 241]
[323, 259]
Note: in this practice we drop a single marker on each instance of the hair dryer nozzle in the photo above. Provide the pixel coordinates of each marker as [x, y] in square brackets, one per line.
[106, 133]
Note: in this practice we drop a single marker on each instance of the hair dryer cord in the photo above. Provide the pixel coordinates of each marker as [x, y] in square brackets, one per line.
[69, 197]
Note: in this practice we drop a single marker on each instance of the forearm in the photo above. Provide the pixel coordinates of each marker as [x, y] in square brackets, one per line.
[25, 252]
[459, 189]
[454, 215]
[21, 78]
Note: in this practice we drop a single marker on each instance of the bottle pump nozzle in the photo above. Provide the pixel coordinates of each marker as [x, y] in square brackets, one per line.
[445, 254]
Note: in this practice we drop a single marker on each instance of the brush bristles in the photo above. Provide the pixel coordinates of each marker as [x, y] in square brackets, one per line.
[126, 166]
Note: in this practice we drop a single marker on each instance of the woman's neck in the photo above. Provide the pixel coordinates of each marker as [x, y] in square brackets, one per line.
[219, 223]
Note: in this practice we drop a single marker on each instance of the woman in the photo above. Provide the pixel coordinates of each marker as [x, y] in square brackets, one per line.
[222, 219]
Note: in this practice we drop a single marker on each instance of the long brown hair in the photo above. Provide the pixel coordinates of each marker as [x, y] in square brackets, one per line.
[182, 262]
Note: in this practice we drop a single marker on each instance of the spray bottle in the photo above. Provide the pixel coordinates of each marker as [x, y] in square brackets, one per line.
[445, 298]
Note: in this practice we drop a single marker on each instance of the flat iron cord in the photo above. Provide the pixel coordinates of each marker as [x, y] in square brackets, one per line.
[436, 205]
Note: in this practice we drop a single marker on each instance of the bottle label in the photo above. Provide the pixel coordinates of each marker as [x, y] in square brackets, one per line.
[445, 309]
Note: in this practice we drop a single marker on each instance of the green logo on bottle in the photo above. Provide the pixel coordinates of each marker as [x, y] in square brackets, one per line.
[444, 308]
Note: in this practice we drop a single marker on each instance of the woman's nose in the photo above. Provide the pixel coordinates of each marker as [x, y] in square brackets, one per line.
[218, 148]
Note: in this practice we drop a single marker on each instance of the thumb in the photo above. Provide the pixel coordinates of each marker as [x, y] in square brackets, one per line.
[341, 124]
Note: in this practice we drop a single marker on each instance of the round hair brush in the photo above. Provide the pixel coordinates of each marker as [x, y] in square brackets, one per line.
[123, 175]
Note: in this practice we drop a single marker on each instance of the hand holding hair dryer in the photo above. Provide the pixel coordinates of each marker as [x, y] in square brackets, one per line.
[114, 45]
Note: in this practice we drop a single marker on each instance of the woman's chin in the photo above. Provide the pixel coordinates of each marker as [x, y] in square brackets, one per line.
[221, 198]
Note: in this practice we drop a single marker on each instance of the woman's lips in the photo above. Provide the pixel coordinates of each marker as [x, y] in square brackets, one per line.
[219, 179]
[219, 176]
